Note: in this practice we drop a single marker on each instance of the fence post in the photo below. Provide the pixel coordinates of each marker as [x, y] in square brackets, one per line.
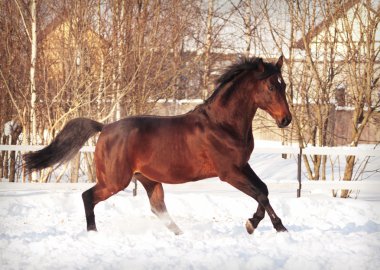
[299, 163]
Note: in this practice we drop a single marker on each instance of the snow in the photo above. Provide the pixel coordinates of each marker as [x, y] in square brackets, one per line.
[46, 230]
[43, 227]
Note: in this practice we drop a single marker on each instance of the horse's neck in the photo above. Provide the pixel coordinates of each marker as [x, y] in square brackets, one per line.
[237, 113]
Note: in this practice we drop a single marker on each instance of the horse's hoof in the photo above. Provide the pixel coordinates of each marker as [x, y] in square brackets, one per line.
[174, 228]
[277, 224]
[178, 232]
[281, 228]
[249, 227]
[91, 228]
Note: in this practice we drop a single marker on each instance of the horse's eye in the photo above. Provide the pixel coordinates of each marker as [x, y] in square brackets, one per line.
[271, 87]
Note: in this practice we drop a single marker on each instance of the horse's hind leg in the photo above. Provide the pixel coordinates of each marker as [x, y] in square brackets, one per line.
[90, 198]
[96, 194]
[155, 193]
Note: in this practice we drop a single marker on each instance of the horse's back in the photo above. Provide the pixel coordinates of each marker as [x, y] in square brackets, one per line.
[165, 149]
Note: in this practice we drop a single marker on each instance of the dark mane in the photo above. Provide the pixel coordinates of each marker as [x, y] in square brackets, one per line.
[242, 66]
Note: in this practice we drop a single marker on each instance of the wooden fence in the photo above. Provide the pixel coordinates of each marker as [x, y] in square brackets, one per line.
[373, 186]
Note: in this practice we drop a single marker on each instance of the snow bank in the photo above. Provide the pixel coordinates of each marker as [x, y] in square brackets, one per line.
[46, 230]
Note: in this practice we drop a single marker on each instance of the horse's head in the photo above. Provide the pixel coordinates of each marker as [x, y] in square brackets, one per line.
[255, 84]
[271, 96]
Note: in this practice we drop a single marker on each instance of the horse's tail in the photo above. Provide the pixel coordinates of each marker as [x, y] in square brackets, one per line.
[65, 145]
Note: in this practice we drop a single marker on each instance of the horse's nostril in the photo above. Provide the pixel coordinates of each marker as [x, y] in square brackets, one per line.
[285, 121]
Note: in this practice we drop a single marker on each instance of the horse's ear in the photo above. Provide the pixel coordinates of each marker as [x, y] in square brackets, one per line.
[260, 65]
[280, 61]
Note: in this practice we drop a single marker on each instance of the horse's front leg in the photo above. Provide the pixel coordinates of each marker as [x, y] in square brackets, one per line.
[248, 182]
[253, 222]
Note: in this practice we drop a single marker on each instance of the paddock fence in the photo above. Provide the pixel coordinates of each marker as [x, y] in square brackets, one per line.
[298, 184]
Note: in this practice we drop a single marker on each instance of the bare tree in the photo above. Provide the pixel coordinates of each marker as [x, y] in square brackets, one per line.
[207, 48]
[311, 82]
[361, 53]
[337, 41]
[14, 79]
[33, 59]
[103, 59]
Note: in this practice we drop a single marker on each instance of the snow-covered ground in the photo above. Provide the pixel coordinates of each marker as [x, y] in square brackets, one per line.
[43, 227]
[46, 230]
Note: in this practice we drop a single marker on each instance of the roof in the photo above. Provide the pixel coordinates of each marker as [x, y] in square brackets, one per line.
[315, 31]
[59, 20]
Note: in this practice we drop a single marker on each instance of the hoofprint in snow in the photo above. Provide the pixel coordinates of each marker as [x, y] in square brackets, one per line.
[43, 227]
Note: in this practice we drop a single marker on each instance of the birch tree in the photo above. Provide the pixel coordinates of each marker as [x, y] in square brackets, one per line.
[207, 48]
[33, 58]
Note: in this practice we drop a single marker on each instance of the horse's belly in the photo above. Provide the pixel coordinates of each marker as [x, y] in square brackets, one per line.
[177, 171]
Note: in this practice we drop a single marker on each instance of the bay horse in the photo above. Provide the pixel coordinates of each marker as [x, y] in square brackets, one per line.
[214, 139]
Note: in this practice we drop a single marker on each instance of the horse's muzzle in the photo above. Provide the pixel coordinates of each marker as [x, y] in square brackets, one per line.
[285, 121]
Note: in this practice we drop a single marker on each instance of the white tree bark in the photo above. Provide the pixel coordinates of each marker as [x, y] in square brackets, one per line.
[33, 57]
[207, 49]
[247, 27]
[119, 36]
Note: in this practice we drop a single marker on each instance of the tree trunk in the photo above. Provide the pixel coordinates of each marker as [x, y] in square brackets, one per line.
[33, 58]
[12, 156]
[75, 164]
[119, 43]
[4, 158]
[247, 27]
[207, 50]
[91, 175]
[348, 172]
